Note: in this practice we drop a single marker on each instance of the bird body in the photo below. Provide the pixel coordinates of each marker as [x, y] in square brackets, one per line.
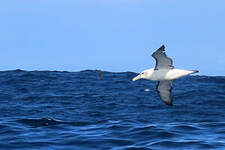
[164, 72]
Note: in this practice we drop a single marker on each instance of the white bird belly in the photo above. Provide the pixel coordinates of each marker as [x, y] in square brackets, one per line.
[169, 74]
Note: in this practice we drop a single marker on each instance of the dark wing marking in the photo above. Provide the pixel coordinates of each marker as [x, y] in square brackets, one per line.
[164, 90]
[162, 60]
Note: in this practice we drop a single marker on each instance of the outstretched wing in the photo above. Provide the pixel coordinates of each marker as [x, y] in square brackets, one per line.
[162, 60]
[164, 90]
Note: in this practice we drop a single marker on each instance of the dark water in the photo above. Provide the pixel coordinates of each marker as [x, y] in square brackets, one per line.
[78, 110]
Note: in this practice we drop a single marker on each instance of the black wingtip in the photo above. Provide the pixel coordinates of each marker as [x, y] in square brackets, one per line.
[162, 47]
[169, 104]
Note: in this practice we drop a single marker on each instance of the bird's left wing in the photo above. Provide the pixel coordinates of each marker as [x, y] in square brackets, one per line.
[164, 90]
[162, 60]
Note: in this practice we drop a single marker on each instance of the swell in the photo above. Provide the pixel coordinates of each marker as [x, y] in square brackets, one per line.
[95, 109]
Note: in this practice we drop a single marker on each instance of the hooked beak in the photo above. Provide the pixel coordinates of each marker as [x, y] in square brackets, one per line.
[136, 78]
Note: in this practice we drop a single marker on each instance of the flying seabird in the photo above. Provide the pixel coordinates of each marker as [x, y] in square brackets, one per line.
[164, 72]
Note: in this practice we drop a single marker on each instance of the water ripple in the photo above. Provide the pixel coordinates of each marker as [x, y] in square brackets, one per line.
[94, 109]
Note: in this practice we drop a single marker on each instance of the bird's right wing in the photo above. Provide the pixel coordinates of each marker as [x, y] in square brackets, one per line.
[162, 60]
[164, 90]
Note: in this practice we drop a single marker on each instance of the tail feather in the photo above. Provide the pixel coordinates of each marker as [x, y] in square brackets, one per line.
[194, 71]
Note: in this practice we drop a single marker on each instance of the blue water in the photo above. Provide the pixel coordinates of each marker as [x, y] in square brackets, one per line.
[88, 110]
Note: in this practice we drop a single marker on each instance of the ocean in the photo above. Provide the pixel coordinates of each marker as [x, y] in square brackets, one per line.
[93, 110]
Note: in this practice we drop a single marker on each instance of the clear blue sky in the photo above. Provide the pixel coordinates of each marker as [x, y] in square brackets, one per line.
[112, 35]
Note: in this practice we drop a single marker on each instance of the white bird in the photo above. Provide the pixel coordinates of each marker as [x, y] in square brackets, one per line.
[164, 72]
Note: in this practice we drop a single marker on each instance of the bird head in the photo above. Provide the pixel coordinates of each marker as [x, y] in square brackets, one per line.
[146, 74]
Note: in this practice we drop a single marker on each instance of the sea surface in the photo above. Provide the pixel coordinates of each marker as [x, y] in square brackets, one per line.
[93, 110]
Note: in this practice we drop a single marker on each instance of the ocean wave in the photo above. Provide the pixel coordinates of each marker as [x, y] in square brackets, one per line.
[95, 109]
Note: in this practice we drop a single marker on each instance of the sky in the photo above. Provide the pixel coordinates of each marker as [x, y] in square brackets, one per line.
[112, 35]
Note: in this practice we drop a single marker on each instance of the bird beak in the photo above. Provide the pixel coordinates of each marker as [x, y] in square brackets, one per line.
[136, 78]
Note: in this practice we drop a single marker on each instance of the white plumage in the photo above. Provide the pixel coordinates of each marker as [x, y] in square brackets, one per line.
[164, 72]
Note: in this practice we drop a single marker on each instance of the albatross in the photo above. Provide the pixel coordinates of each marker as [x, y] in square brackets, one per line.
[163, 72]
